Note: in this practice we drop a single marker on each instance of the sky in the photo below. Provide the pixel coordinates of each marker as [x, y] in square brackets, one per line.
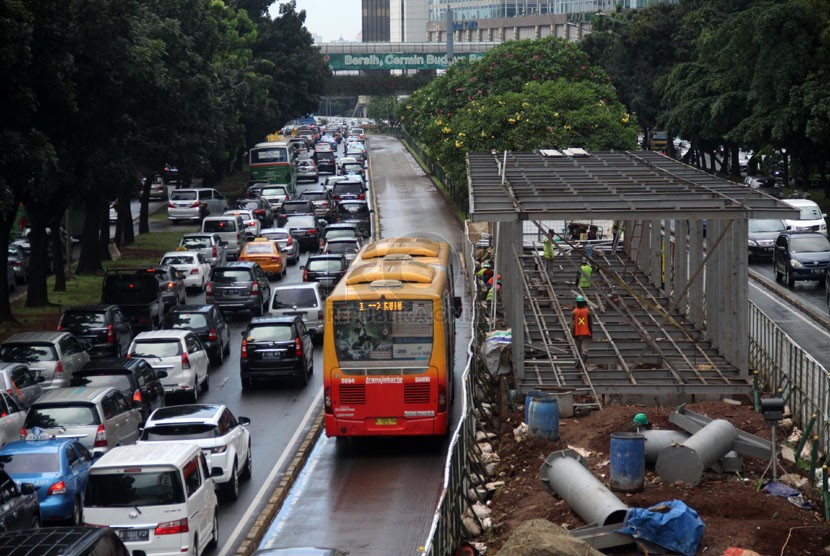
[330, 18]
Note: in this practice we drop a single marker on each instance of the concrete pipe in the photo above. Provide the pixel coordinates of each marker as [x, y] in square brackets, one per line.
[565, 474]
[686, 462]
[658, 440]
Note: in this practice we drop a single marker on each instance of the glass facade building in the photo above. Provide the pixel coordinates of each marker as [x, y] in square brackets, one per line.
[375, 20]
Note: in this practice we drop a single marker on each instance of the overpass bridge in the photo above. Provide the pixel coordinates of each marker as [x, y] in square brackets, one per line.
[356, 56]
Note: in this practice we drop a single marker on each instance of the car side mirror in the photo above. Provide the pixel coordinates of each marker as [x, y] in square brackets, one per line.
[243, 420]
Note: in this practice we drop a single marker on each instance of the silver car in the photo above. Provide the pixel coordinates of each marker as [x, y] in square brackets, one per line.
[55, 356]
[191, 205]
[211, 246]
[286, 241]
[20, 383]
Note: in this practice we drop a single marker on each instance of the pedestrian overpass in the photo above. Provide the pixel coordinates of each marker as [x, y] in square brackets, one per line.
[356, 56]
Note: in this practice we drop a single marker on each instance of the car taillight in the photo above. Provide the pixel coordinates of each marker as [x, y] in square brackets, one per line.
[251, 223]
[192, 272]
[100, 437]
[171, 205]
[275, 259]
[325, 204]
[442, 398]
[314, 231]
[172, 527]
[238, 237]
[290, 241]
[298, 347]
[23, 433]
[285, 198]
[57, 488]
[212, 335]
[137, 396]
[209, 288]
[361, 197]
[305, 275]
[59, 370]
[110, 334]
[215, 253]
[320, 315]
[337, 198]
[171, 286]
[195, 205]
[185, 361]
[244, 351]
[327, 400]
[259, 211]
[255, 288]
[60, 327]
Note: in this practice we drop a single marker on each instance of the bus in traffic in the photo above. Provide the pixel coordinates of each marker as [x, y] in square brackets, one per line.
[270, 162]
[388, 343]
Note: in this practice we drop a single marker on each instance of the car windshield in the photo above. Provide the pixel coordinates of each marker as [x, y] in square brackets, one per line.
[293, 207]
[333, 234]
[157, 348]
[290, 297]
[129, 489]
[28, 463]
[218, 226]
[347, 187]
[356, 168]
[325, 265]
[300, 222]
[810, 213]
[61, 416]
[276, 236]
[183, 431]
[28, 352]
[247, 204]
[315, 195]
[269, 333]
[196, 242]
[812, 244]
[130, 289]
[353, 208]
[260, 248]
[766, 226]
[120, 380]
[273, 191]
[178, 259]
[341, 247]
[187, 320]
[184, 196]
[230, 275]
[83, 319]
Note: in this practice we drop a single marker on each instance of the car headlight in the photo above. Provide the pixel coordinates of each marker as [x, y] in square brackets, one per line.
[218, 449]
[795, 264]
[753, 243]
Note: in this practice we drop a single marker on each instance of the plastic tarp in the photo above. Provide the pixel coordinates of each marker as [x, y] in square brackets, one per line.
[495, 344]
[672, 525]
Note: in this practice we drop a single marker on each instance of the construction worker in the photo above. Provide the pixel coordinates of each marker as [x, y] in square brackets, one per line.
[639, 423]
[583, 276]
[491, 290]
[549, 253]
[582, 327]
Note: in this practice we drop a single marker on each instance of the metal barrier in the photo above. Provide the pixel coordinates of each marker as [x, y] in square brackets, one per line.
[784, 366]
[457, 192]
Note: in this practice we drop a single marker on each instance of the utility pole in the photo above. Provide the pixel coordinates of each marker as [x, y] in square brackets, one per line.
[450, 37]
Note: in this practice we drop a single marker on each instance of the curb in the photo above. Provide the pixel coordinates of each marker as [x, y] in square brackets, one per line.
[261, 523]
[785, 294]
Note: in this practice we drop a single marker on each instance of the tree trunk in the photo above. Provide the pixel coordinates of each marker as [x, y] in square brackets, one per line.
[89, 261]
[785, 174]
[6, 223]
[736, 162]
[104, 231]
[825, 184]
[37, 293]
[56, 250]
[144, 213]
[125, 233]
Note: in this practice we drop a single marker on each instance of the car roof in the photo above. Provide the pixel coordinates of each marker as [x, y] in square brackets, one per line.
[25, 337]
[186, 414]
[273, 320]
[165, 454]
[274, 230]
[325, 256]
[162, 334]
[343, 240]
[337, 225]
[100, 307]
[39, 446]
[800, 202]
[105, 363]
[51, 541]
[179, 253]
[299, 286]
[73, 394]
[191, 308]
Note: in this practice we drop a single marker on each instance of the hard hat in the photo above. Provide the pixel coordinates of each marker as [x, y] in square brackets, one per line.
[580, 299]
[641, 419]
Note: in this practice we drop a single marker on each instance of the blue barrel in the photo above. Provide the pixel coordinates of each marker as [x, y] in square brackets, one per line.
[529, 396]
[628, 461]
[543, 416]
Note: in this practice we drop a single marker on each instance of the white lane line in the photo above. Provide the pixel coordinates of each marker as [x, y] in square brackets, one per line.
[798, 315]
[223, 382]
[263, 492]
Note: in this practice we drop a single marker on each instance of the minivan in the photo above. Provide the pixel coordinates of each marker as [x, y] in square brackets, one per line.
[157, 496]
[306, 300]
[230, 228]
[811, 218]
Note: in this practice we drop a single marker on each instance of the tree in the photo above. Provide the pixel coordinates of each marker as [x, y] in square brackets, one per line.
[383, 108]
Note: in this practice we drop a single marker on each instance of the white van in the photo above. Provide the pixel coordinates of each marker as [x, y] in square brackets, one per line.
[305, 299]
[811, 218]
[158, 497]
[230, 228]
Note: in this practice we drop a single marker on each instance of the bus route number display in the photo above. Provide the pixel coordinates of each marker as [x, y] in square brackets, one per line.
[382, 306]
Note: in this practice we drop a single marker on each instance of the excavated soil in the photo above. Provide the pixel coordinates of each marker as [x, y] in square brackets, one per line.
[735, 512]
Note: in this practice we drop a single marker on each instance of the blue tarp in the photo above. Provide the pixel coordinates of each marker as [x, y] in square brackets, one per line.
[672, 525]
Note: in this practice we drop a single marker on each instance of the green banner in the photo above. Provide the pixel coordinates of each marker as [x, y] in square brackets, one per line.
[384, 61]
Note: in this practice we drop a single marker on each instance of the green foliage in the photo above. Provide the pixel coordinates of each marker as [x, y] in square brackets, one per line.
[383, 108]
[522, 95]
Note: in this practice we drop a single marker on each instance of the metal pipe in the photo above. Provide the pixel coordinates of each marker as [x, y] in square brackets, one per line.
[686, 462]
[565, 474]
[658, 440]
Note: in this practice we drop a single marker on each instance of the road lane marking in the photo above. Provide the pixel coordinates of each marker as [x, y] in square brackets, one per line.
[789, 306]
[312, 412]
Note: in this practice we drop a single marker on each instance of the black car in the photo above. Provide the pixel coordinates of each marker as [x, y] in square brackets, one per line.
[801, 256]
[240, 285]
[171, 285]
[209, 325]
[137, 295]
[300, 206]
[62, 541]
[306, 229]
[344, 190]
[260, 208]
[103, 327]
[20, 262]
[134, 377]
[356, 212]
[274, 347]
[325, 269]
[322, 201]
[762, 236]
[19, 506]
[326, 162]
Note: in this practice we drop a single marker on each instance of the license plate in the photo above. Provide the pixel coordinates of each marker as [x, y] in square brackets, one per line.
[386, 421]
[272, 355]
[132, 535]
[231, 292]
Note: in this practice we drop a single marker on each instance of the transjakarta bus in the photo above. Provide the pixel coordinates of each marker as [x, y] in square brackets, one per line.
[388, 349]
[271, 162]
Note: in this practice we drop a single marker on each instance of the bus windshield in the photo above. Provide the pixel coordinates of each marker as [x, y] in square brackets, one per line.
[383, 333]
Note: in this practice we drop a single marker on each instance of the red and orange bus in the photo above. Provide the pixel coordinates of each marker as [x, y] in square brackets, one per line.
[388, 347]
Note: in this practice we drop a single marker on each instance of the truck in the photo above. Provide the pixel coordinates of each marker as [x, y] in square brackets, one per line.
[137, 294]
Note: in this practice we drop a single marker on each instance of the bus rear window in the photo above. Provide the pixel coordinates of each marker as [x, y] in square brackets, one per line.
[266, 155]
[394, 334]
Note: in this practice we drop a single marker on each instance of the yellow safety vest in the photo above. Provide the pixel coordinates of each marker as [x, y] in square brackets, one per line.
[550, 249]
[585, 276]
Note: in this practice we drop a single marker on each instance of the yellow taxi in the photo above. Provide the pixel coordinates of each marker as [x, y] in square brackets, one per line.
[267, 253]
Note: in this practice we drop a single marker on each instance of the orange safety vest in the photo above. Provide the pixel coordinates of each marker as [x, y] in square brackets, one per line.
[581, 322]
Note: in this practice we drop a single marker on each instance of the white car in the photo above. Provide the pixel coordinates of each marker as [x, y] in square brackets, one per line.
[11, 420]
[223, 438]
[345, 160]
[180, 354]
[811, 218]
[249, 219]
[192, 264]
